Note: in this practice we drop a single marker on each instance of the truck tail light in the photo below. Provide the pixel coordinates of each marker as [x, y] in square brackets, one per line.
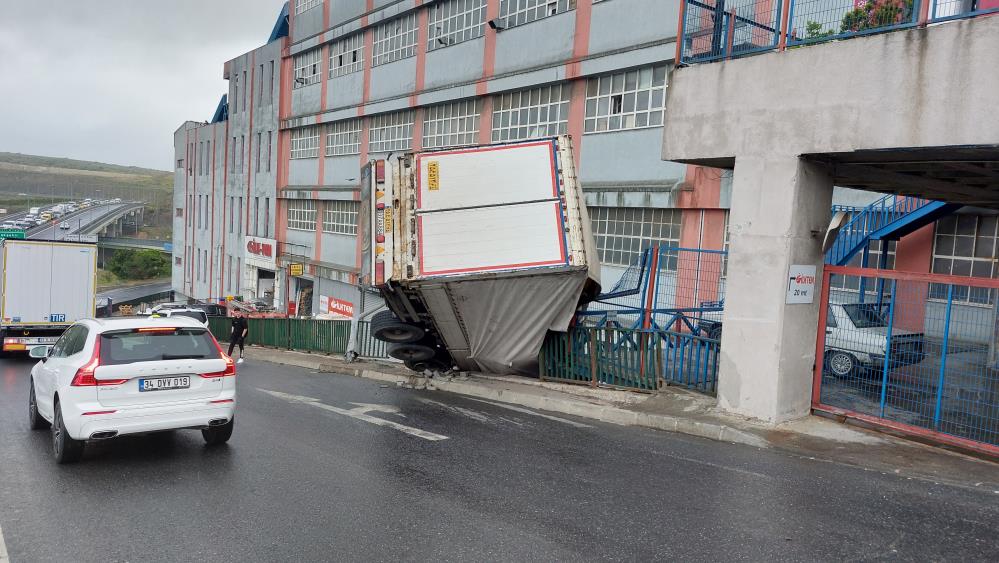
[379, 273]
[85, 375]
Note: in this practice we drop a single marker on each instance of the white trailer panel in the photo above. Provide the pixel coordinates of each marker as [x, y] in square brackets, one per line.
[47, 283]
[481, 176]
[490, 239]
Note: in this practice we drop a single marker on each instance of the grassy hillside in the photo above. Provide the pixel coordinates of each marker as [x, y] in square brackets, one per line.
[29, 180]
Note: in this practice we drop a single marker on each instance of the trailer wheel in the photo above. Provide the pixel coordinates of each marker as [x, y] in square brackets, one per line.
[386, 327]
[410, 353]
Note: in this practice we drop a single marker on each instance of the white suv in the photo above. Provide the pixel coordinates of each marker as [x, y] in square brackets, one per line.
[111, 377]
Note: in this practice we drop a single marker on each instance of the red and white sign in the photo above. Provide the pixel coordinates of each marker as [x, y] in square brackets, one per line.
[261, 252]
[334, 306]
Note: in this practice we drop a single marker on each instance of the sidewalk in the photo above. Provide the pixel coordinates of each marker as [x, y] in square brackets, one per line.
[678, 410]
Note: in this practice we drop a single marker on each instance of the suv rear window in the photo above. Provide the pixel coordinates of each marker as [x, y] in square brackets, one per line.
[150, 345]
[200, 316]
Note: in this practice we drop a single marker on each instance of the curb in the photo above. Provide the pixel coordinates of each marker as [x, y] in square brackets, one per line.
[570, 406]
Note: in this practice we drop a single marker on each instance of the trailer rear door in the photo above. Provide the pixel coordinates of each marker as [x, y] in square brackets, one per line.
[490, 209]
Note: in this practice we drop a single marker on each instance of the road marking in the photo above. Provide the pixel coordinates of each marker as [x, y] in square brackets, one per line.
[474, 415]
[3, 549]
[360, 413]
[527, 411]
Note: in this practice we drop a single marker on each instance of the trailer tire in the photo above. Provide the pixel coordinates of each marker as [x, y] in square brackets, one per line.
[410, 353]
[387, 328]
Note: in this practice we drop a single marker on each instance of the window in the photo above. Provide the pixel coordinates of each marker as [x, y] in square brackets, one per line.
[239, 218]
[256, 216]
[622, 233]
[228, 280]
[390, 132]
[239, 273]
[235, 94]
[306, 5]
[190, 157]
[177, 261]
[259, 144]
[540, 112]
[267, 217]
[242, 154]
[180, 212]
[260, 96]
[965, 245]
[874, 250]
[626, 100]
[347, 55]
[201, 160]
[519, 12]
[454, 21]
[340, 217]
[180, 163]
[305, 142]
[830, 318]
[302, 214]
[269, 145]
[344, 137]
[232, 214]
[453, 124]
[232, 156]
[246, 86]
[270, 92]
[307, 68]
[394, 40]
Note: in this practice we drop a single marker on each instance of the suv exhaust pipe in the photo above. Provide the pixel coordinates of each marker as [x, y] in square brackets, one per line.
[217, 422]
[104, 435]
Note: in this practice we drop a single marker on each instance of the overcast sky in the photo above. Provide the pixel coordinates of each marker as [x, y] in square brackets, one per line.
[111, 80]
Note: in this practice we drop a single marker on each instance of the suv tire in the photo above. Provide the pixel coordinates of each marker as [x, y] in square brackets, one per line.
[215, 435]
[35, 420]
[64, 448]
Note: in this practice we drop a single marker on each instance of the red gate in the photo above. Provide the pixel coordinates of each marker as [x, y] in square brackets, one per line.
[913, 352]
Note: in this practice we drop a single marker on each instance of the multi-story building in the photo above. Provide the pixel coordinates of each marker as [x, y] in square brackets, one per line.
[266, 194]
[348, 81]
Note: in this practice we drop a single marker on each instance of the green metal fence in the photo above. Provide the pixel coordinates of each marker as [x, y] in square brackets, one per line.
[644, 360]
[307, 335]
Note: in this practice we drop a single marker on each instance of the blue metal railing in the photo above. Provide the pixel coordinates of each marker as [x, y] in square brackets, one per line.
[855, 235]
[712, 30]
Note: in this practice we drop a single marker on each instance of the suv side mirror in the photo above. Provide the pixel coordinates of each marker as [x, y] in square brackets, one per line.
[40, 352]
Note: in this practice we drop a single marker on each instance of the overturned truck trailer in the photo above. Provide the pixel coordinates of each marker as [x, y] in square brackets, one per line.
[477, 253]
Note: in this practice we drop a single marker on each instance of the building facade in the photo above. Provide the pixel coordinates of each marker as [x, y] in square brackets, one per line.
[267, 197]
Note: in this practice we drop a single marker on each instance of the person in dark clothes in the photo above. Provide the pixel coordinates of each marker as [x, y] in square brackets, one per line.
[239, 330]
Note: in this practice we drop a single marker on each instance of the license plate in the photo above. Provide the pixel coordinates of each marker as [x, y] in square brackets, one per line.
[164, 383]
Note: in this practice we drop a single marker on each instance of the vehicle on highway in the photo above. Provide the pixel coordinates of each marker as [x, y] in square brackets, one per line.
[857, 340]
[34, 211]
[39, 222]
[45, 287]
[114, 377]
[191, 313]
[450, 288]
[8, 225]
[65, 226]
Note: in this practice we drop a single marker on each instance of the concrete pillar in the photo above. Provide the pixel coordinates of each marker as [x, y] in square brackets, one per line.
[780, 210]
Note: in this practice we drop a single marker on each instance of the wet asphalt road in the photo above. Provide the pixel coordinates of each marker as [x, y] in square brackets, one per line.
[305, 482]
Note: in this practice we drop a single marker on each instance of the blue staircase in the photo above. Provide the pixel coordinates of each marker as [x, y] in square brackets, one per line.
[890, 218]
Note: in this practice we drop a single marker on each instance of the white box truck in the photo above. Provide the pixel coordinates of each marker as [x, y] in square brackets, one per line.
[44, 287]
[477, 252]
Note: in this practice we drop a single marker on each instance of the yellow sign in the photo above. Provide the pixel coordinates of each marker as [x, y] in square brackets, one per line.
[433, 175]
[296, 269]
[228, 297]
[388, 219]
[379, 249]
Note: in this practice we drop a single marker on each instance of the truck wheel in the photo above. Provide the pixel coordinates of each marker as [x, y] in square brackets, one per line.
[839, 363]
[386, 327]
[409, 352]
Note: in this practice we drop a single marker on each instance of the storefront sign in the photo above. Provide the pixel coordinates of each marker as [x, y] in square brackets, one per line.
[334, 306]
[296, 269]
[800, 284]
[261, 252]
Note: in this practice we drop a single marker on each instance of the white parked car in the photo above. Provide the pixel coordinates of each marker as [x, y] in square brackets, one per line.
[113, 377]
[65, 226]
[857, 339]
[196, 314]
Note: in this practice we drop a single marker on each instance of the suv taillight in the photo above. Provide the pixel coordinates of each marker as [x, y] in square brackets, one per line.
[85, 375]
[230, 366]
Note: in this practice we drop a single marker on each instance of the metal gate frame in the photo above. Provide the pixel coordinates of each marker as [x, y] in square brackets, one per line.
[820, 341]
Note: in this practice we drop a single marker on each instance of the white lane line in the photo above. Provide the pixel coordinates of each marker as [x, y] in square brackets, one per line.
[527, 411]
[3, 549]
[474, 415]
[360, 413]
